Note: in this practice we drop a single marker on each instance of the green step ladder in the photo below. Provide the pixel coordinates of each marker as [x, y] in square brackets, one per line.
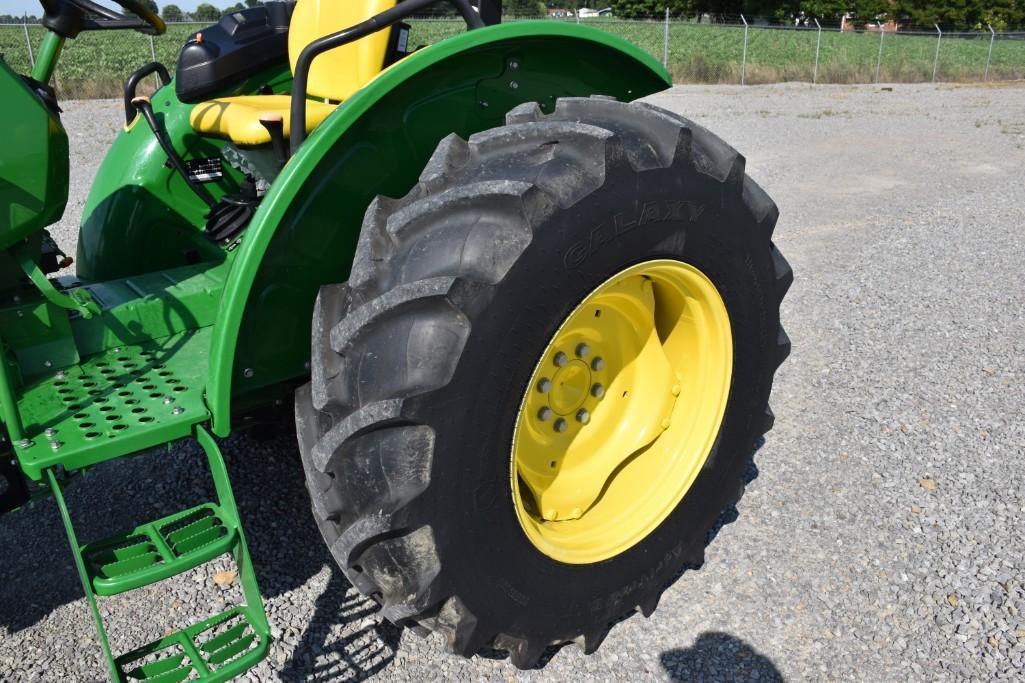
[215, 649]
[121, 402]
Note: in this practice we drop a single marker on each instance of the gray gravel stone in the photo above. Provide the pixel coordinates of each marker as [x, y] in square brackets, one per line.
[902, 216]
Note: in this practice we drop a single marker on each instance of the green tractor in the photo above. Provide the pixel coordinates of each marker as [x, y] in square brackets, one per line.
[530, 325]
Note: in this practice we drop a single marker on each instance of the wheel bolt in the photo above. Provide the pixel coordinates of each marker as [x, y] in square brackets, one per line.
[544, 385]
[560, 359]
[676, 390]
[598, 363]
[560, 425]
[583, 350]
[583, 417]
[544, 413]
[597, 390]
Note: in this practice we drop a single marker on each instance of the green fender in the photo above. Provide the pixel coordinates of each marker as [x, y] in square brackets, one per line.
[377, 142]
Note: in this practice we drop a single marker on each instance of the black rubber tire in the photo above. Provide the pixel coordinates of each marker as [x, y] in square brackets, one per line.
[420, 360]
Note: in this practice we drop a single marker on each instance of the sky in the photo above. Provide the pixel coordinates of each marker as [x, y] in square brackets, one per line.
[18, 7]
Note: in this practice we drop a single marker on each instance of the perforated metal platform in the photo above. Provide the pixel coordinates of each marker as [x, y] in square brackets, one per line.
[118, 402]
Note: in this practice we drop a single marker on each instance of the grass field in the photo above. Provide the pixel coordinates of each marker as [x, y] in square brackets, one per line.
[96, 64]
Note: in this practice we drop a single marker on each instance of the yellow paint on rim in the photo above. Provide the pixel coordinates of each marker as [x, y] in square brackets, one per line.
[621, 411]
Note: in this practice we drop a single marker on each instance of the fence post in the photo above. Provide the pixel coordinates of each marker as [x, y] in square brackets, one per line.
[818, 44]
[992, 37]
[879, 57]
[743, 58]
[153, 55]
[936, 59]
[28, 43]
[665, 41]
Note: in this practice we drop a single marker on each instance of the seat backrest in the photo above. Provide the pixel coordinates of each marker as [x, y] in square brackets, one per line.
[338, 73]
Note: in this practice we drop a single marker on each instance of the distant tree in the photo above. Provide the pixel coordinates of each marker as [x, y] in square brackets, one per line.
[646, 9]
[173, 13]
[962, 13]
[252, 3]
[152, 6]
[206, 12]
[524, 8]
[826, 11]
[234, 8]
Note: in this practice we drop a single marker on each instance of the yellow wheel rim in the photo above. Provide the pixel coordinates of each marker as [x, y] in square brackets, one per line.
[621, 412]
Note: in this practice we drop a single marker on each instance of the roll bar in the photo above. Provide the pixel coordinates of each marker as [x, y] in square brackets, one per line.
[374, 24]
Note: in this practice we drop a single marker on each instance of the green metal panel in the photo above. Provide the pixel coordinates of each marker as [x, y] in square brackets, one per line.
[140, 216]
[377, 142]
[33, 162]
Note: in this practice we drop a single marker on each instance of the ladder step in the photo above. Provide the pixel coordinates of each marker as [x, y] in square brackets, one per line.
[153, 552]
[216, 649]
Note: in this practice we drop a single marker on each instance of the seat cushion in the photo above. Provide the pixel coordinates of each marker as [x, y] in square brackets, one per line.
[238, 118]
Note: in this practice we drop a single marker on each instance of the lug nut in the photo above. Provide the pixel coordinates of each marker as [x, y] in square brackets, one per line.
[560, 425]
[676, 390]
[598, 363]
[24, 443]
[544, 385]
[597, 390]
[168, 400]
[48, 431]
[55, 445]
[583, 350]
[583, 417]
[560, 359]
[544, 413]
[178, 410]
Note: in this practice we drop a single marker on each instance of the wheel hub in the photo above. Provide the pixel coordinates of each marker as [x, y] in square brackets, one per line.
[570, 385]
[604, 447]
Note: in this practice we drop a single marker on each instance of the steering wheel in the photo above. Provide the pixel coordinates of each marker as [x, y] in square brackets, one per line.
[92, 16]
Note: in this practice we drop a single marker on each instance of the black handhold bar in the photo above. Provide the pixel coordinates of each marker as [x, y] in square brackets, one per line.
[133, 82]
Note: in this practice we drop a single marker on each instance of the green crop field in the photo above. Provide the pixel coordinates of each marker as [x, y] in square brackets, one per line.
[96, 64]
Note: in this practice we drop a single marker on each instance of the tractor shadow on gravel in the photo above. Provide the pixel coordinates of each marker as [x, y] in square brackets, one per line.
[719, 657]
[341, 638]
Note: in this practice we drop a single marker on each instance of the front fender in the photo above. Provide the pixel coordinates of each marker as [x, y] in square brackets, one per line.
[305, 232]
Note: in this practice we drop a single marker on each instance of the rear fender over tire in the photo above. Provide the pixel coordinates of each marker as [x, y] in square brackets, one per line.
[420, 360]
[306, 229]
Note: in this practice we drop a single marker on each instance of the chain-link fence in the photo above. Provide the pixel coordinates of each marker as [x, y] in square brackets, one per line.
[736, 50]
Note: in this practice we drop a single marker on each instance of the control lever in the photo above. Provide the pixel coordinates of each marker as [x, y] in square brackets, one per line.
[275, 125]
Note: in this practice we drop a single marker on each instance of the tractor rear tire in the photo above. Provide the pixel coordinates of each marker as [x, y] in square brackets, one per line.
[420, 361]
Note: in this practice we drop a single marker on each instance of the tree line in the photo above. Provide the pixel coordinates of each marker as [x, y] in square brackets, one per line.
[952, 14]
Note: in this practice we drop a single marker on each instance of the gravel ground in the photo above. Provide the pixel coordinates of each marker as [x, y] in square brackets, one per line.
[882, 540]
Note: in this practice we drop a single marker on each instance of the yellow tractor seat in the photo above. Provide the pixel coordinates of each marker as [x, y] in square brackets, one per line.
[238, 118]
[334, 76]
